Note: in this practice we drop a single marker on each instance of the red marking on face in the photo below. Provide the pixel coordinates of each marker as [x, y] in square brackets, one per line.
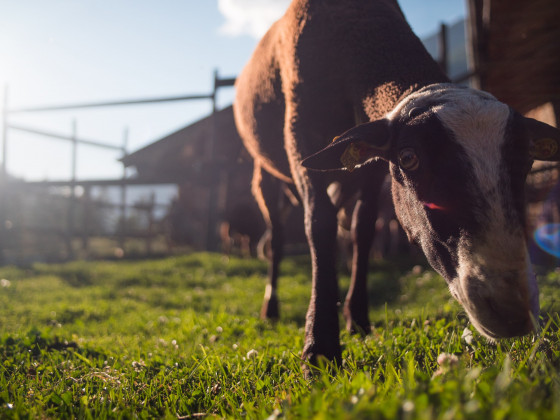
[434, 206]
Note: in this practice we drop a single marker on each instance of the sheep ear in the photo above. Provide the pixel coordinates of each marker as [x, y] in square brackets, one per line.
[354, 148]
[544, 140]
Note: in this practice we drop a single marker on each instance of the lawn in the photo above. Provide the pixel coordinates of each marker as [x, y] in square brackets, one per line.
[180, 338]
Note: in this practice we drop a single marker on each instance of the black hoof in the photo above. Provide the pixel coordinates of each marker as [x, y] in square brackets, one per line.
[356, 324]
[270, 309]
[316, 360]
[355, 327]
[313, 366]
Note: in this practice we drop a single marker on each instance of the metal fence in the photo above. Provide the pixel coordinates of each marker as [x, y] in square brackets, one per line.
[71, 223]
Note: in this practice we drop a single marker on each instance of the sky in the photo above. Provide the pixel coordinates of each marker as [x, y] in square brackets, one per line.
[56, 52]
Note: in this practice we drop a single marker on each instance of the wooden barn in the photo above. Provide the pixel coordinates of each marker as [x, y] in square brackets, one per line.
[213, 172]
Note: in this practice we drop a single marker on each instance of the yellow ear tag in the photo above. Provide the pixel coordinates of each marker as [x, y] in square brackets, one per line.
[354, 155]
[543, 148]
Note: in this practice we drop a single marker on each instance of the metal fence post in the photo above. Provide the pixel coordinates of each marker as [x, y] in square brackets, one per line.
[72, 202]
[5, 134]
[4, 176]
[442, 48]
[122, 236]
[86, 221]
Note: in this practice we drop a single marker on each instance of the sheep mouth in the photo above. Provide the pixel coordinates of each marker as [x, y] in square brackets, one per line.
[502, 315]
[506, 323]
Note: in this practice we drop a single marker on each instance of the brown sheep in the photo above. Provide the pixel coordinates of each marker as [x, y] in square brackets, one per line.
[458, 160]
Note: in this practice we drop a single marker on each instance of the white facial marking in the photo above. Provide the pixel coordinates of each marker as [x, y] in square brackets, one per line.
[479, 127]
[478, 124]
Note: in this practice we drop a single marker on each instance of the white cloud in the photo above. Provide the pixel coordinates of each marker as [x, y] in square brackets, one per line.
[252, 17]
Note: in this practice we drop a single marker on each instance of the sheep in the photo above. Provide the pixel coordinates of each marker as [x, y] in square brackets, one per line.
[240, 229]
[458, 159]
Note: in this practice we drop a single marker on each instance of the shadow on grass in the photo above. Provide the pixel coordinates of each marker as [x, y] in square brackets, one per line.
[75, 274]
[37, 344]
[384, 285]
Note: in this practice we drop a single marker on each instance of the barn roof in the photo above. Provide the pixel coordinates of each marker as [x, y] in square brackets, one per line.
[188, 150]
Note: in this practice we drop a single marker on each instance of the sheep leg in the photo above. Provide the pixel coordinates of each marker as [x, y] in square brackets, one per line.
[268, 192]
[356, 303]
[363, 231]
[322, 328]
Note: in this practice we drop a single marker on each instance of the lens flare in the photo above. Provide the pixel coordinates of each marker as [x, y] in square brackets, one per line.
[547, 237]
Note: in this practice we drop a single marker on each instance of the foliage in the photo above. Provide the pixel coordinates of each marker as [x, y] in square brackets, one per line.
[180, 337]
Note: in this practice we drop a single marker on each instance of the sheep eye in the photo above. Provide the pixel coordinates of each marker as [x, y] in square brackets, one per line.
[408, 159]
[416, 111]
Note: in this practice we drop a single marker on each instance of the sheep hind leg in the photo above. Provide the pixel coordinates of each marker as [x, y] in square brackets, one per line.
[268, 191]
[363, 230]
[356, 303]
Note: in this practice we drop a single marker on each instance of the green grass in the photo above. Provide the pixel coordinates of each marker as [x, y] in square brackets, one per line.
[181, 337]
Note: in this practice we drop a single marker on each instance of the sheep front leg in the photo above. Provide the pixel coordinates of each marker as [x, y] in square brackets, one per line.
[321, 327]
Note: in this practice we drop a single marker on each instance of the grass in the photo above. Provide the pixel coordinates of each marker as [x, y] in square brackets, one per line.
[181, 338]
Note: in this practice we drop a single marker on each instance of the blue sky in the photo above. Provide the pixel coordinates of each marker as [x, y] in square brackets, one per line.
[75, 51]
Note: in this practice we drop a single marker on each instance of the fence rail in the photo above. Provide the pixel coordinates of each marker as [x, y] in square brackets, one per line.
[112, 103]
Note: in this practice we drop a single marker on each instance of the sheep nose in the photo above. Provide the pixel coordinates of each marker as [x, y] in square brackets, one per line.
[509, 319]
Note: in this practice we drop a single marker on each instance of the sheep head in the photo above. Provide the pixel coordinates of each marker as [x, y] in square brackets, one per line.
[459, 159]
